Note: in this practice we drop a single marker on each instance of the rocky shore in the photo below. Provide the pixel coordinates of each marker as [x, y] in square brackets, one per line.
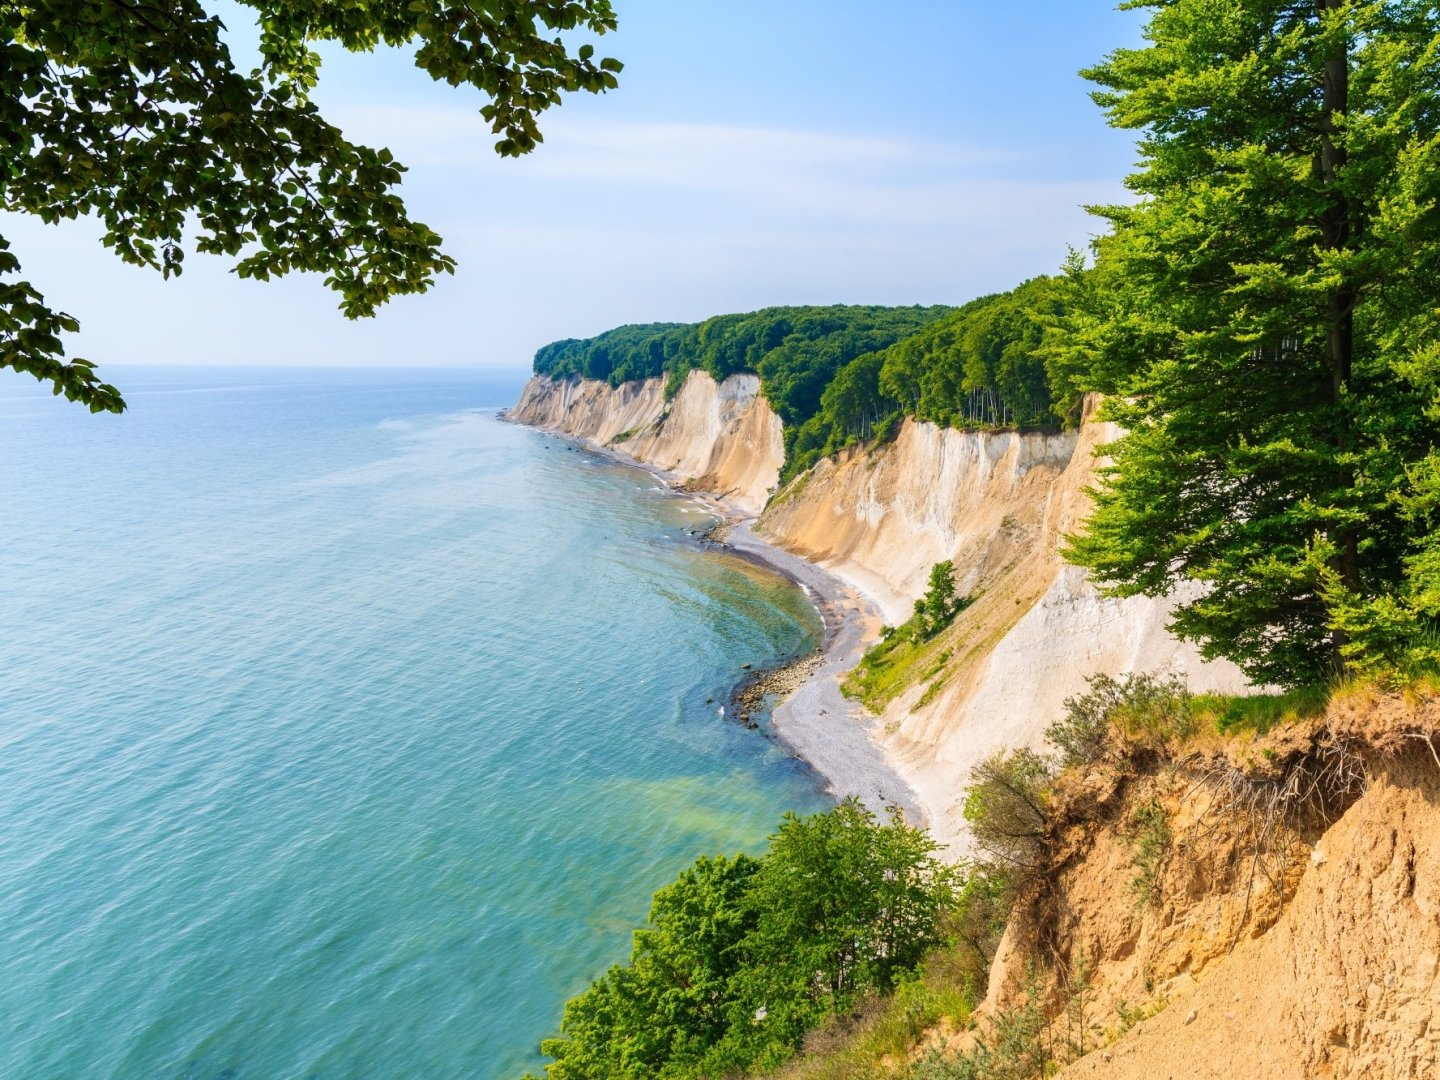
[813, 719]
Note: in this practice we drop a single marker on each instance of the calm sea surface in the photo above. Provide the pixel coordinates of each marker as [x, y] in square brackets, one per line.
[344, 730]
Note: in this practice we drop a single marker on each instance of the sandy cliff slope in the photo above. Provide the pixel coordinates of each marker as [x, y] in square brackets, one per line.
[998, 504]
[721, 438]
[1307, 947]
[1347, 982]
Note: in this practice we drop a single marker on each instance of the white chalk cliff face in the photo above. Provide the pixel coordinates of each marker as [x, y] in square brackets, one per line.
[720, 438]
[998, 504]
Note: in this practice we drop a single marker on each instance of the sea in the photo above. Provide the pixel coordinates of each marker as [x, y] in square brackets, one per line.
[346, 729]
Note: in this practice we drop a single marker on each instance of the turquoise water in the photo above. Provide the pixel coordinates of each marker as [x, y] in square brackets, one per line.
[344, 730]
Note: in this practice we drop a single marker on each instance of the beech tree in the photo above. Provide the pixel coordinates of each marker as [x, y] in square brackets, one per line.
[134, 111]
[1264, 317]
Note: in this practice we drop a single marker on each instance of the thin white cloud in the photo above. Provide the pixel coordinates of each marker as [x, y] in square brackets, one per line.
[607, 223]
[859, 178]
[663, 152]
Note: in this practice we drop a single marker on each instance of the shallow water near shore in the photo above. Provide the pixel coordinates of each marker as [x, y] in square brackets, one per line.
[346, 730]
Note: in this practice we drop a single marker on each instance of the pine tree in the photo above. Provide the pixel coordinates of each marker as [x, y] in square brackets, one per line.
[1263, 318]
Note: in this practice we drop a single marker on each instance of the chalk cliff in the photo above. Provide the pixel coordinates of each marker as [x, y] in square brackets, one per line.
[998, 504]
[717, 437]
[1291, 924]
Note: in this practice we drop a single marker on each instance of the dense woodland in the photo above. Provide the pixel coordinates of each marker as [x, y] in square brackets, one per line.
[798, 352]
[835, 375]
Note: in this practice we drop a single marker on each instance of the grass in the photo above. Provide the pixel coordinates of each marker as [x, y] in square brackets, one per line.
[910, 653]
[791, 489]
[1259, 713]
[881, 1033]
[893, 664]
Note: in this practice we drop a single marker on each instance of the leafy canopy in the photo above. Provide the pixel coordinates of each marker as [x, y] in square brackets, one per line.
[134, 111]
[796, 351]
[742, 956]
[1264, 321]
[839, 374]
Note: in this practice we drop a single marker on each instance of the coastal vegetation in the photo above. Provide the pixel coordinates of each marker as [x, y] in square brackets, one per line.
[1019, 807]
[982, 366]
[888, 663]
[800, 353]
[742, 956]
[839, 375]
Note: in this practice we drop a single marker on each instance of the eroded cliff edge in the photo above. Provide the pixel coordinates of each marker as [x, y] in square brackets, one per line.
[997, 504]
[720, 438]
[1291, 924]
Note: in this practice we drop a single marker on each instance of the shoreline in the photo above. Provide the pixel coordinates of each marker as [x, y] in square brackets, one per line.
[814, 721]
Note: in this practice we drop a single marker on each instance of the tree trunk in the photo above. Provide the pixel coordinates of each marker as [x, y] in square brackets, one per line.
[1336, 221]
[1337, 227]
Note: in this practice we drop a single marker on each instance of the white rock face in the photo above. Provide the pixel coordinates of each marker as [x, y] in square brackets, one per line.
[998, 504]
[722, 438]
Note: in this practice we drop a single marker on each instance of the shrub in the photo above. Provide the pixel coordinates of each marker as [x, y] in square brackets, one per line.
[1149, 831]
[1005, 806]
[1015, 1046]
[1151, 709]
[742, 957]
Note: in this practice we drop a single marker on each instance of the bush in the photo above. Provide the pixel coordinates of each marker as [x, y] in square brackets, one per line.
[1149, 708]
[742, 957]
[1005, 807]
[865, 1042]
[942, 601]
[1149, 831]
[982, 907]
[1015, 1046]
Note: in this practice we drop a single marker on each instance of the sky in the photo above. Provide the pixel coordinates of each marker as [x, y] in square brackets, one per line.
[758, 152]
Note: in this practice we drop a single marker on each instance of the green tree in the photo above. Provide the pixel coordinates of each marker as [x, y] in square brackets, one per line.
[741, 957]
[1263, 318]
[942, 600]
[1006, 808]
[669, 1006]
[843, 903]
[134, 111]
[983, 366]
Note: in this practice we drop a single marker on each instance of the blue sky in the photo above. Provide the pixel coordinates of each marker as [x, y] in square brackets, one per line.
[757, 153]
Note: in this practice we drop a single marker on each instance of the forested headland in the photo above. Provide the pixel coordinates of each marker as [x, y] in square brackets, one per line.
[840, 374]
